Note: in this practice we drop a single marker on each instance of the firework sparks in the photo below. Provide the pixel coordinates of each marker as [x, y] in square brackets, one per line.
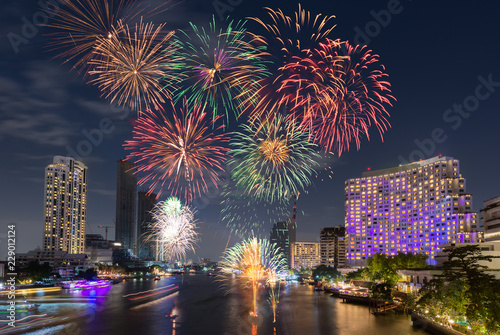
[288, 40]
[222, 67]
[245, 215]
[272, 160]
[358, 105]
[128, 65]
[173, 229]
[255, 259]
[80, 23]
[182, 152]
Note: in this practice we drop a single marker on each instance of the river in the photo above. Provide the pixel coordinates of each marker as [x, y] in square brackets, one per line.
[202, 307]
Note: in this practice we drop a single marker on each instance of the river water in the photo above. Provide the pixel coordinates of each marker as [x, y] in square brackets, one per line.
[202, 307]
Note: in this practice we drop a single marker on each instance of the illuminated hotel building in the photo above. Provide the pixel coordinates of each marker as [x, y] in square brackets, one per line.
[411, 208]
[305, 255]
[65, 206]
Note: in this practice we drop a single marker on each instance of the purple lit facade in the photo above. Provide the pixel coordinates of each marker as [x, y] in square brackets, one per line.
[410, 208]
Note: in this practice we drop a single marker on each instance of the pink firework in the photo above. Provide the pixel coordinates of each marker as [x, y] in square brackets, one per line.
[180, 151]
[359, 102]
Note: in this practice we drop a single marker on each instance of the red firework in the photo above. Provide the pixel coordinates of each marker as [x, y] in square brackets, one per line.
[358, 103]
[183, 152]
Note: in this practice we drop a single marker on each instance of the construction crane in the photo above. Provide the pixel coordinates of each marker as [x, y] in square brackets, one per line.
[106, 229]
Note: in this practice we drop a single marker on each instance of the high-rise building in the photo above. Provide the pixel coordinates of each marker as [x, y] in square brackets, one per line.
[411, 208]
[305, 255]
[491, 219]
[145, 245]
[280, 235]
[126, 185]
[332, 246]
[65, 206]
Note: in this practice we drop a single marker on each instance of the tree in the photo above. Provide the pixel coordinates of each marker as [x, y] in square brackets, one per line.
[36, 271]
[325, 272]
[359, 274]
[464, 291]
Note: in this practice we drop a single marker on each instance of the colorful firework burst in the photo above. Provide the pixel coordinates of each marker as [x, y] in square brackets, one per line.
[173, 230]
[128, 65]
[80, 23]
[360, 101]
[181, 152]
[287, 36]
[272, 160]
[254, 259]
[288, 40]
[222, 66]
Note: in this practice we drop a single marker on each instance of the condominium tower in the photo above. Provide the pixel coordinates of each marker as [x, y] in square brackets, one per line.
[332, 246]
[65, 206]
[410, 208]
[126, 185]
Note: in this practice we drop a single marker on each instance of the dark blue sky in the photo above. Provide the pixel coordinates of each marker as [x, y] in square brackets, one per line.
[436, 54]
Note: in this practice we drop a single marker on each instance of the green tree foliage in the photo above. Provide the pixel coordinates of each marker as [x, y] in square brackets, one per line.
[382, 291]
[464, 292]
[36, 271]
[384, 268]
[325, 272]
[359, 274]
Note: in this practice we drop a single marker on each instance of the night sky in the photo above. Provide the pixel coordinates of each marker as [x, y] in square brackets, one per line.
[436, 54]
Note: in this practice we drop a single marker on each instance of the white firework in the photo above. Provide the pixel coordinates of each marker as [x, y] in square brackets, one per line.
[174, 231]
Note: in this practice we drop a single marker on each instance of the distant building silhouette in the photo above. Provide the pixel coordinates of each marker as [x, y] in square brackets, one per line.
[126, 185]
[145, 246]
[332, 246]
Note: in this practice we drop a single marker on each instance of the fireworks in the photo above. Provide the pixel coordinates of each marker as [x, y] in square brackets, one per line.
[129, 64]
[255, 259]
[182, 152]
[287, 36]
[245, 215]
[272, 160]
[80, 23]
[359, 103]
[221, 66]
[289, 40]
[174, 230]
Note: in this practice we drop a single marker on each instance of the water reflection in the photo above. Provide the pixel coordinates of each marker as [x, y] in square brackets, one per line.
[200, 307]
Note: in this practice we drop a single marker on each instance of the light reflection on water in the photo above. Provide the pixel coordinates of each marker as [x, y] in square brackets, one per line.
[201, 307]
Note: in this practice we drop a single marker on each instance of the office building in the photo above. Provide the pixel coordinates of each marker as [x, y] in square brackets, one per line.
[305, 255]
[491, 219]
[332, 246]
[126, 185]
[145, 245]
[280, 235]
[411, 208]
[65, 206]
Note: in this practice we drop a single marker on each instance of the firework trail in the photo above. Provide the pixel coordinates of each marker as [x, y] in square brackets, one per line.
[181, 151]
[253, 259]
